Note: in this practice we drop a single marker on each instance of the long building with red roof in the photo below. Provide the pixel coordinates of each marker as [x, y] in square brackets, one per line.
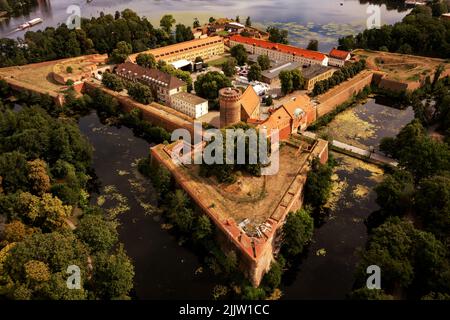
[279, 52]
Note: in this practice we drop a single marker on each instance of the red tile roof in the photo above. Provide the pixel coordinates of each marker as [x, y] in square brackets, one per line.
[279, 47]
[250, 101]
[339, 54]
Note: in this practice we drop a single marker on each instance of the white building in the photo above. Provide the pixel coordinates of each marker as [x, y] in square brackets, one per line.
[189, 104]
[337, 58]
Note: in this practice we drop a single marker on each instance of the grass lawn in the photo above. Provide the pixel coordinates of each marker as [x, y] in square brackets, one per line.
[217, 62]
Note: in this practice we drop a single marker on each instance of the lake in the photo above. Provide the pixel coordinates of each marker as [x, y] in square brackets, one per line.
[325, 20]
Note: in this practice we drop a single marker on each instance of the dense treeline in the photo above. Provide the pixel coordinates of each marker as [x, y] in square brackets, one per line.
[398, 5]
[346, 72]
[100, 34]
[418, 33]
[44, 174]
[13, 7]
[431, 104]
[410, 234]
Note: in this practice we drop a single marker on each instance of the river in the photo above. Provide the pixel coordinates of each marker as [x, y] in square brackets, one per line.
[324, 20]
[164, 269]
[327, 271]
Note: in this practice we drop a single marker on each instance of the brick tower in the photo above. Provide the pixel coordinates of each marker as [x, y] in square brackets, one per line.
[230, 106]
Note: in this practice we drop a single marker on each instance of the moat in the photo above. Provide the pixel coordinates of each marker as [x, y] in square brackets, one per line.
[165, 269]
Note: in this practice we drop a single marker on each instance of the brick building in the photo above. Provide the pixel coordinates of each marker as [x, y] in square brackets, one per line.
[314, 74]
[293, 115]
[162, 84]
[279, 52]
[188, 50]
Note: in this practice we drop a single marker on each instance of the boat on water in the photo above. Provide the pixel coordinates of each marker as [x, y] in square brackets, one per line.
[30, 23]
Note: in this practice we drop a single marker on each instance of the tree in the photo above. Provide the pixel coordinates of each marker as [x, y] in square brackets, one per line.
[417, 152]
[13, 170]
[46, 212]
[395, 193]
[390, 247]
[272, 279]
[238, 19]
[208, 85]
[287, 85]
[113, 275]
[69, 69]
[15, 231]
[297, 79]
[113, 82]
[433, 205]
[347, 43]
[297, 232]
[140, 92]
[437, 74]
[97, 233]
[318, 183]
[264, 62]
[248, 22]
[37, 267]
[37, 271]
[240, 54]
[438, 8]
[146, 60]
[278, 36]
[5, 90]
[409, 258]
[255, 73]
[179, 211]
[121, 53]
[251, 293]
[196, 23]
[313, 45]
[166, 23]
[183, 33]
[370, 294]
[178, 73]
[229, 67]
[38, 176]
[104, 103]
[269, 101]
[203, 228]
[212, 20]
